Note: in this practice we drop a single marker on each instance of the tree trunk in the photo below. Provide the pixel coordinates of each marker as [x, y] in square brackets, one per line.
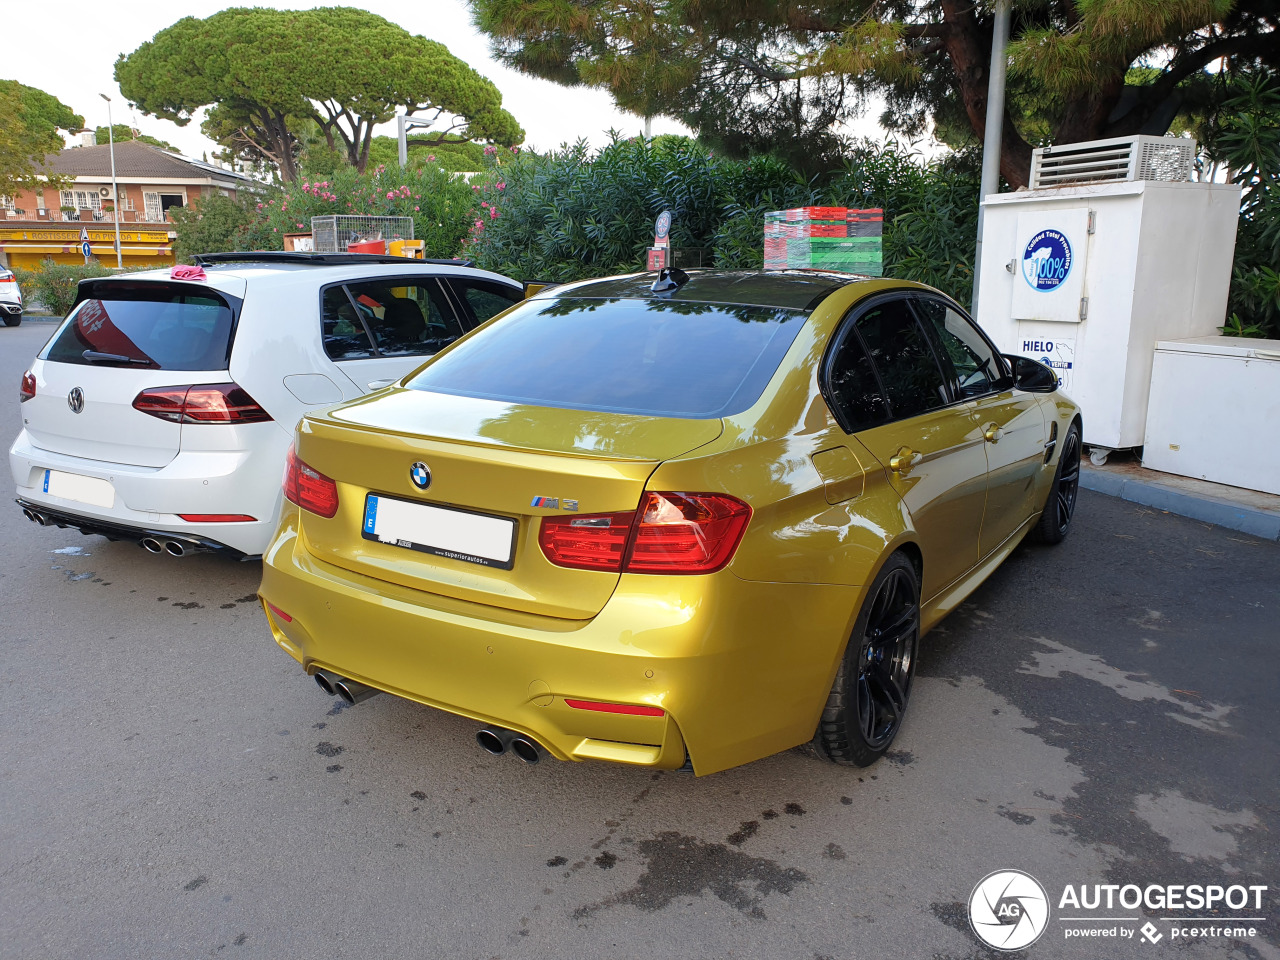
[969, 48]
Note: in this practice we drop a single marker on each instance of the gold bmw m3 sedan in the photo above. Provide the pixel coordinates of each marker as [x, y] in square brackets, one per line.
[670, 520]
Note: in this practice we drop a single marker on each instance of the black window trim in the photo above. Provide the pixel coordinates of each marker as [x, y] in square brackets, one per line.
[848, 324]
[411, 280]
[464, 311]
[1001, 385]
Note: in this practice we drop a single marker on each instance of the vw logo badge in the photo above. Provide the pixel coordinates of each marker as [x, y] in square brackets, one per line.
[420, 475]
[75, 399]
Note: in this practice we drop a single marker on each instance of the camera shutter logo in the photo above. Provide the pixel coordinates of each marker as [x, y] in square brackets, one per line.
[75, 400]
[420, 475]
[1008, 910]
[1046, 260]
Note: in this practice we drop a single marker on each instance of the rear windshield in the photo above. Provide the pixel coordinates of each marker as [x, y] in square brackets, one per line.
[148, 326]
[650, 357]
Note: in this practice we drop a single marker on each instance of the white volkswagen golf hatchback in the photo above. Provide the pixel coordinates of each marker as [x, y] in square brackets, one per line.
[162, 409]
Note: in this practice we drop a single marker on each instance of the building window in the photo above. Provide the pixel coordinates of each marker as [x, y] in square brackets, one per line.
[151, 206]
[7, 203]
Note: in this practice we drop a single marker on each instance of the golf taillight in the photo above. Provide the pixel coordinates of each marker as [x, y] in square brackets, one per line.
[308, 487]
[670, 533]
[201, 403]
[28, 390]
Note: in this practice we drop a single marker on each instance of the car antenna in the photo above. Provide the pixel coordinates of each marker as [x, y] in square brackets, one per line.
[669, 280]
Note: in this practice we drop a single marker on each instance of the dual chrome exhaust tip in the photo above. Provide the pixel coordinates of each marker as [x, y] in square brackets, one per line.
[498, 740]
[174, 548]
[36, 517]
[349, 690]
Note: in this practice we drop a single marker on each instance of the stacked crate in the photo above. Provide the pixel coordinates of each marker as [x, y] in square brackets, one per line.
[824, 238]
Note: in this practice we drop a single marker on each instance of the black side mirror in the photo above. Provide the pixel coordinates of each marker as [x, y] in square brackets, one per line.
[1032, 376]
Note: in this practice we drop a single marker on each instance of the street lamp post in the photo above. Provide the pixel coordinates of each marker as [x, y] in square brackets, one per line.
[115, 190]
[991, 139]
[403, 123]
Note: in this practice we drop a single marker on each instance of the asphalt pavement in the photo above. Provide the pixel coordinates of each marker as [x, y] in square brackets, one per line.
[172, 785]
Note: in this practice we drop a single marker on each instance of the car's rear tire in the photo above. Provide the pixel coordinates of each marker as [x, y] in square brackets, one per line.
[12, 319]
[1060, 507]
[868, 699]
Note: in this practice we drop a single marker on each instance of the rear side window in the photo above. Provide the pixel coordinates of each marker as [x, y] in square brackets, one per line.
[650, 357]
[901, 353]
[481, 300]
[387, 318]
[151, 326]
[852, 386]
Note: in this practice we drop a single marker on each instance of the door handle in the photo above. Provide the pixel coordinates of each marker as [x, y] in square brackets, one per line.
[902, 461]
[992, 433]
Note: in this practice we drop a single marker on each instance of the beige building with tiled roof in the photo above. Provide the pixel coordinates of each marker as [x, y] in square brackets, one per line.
[150, 181]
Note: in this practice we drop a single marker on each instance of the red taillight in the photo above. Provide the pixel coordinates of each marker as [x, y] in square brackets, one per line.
[28, 390]
[201, 403]
[630, 709]
[309, 488]
[686, 532]
[217, 518]
[595, 542]
[671, 533]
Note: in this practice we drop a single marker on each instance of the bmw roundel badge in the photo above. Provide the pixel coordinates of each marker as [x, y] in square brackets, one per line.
[420, 475]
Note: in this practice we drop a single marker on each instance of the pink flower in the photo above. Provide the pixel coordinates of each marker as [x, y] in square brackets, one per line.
[415, 209]
[259, 206]
[299, 226]
[493, 213]
[502, 185]
[490, 150]
[390, 195]
[431, 158]
[484, 203]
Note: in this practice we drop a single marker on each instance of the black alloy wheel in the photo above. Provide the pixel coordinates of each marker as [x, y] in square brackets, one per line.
[869, 697]
[1055, 521]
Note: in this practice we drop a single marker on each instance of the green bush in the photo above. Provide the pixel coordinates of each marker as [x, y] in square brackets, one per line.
[571, 214]
[213, 224]
[439, 203]
[54, 284]
[1247, 141]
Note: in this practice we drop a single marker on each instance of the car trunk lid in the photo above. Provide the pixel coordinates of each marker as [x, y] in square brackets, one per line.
[489, 459]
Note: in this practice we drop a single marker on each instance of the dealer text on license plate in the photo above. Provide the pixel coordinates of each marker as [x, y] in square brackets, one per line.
[442, 531]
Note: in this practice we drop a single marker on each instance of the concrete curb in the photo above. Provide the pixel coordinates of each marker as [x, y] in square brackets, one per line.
[1223, 513]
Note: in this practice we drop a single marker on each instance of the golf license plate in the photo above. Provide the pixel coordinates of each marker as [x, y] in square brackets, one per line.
[72, 486]
[441, 531]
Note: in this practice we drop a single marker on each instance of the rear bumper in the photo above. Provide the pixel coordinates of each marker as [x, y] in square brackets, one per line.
[116, 531]
[10, 307]
[741, 668]
[149, 499]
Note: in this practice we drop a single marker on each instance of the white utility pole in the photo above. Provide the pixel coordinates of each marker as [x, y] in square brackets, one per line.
[115, 190]
[994, 123]
[403, 123]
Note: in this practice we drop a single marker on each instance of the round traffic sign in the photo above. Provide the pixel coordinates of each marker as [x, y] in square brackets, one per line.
[86, 249]
[663, 226]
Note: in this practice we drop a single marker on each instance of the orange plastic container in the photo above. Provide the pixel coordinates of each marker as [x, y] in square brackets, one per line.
[368, 246]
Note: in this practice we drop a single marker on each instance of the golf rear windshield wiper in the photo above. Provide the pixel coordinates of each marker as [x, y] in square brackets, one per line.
[99, 356]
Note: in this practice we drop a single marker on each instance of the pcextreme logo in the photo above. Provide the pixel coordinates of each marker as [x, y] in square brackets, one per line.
[1009, 910]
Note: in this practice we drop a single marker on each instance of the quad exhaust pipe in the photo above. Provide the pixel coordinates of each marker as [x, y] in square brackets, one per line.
[498, 740]
[349, 690]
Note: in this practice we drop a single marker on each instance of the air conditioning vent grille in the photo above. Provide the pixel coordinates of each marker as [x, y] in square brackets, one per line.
[1113, 161]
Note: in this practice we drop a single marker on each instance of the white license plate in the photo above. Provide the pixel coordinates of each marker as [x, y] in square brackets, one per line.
[72, 486]
[442, 531]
